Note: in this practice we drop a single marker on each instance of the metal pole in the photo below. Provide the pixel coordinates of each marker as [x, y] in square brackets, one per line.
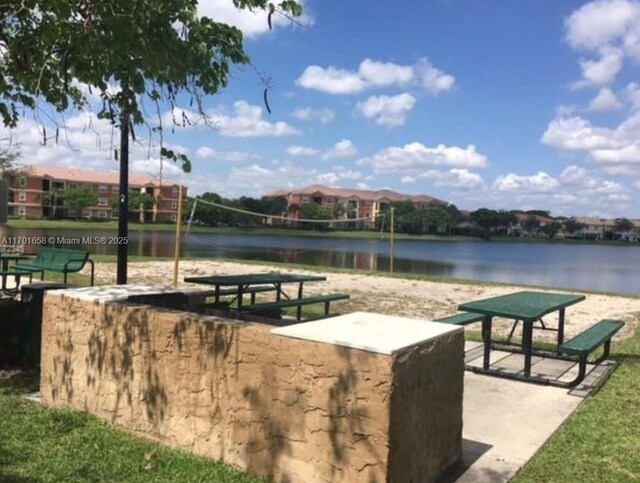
[176, 254]
[123, 206]
[391, 242]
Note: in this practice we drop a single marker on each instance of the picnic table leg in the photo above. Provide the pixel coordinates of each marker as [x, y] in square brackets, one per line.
[299, 309]
[240, 296]
[486, 338]
[527, 336]
[217, 294]
[560, 329]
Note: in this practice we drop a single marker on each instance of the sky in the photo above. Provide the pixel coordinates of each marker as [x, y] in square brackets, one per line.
[498, 104]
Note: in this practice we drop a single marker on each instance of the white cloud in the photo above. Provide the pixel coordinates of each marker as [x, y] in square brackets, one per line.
[205, 152]
[605, 100]
[385, 73]
[389, 111]
[246, 121]
[608, 29]
[458, 178]
[342, 149]
[602, 22]
[589, 187]
[602, 71]
[251, 23]
[302, 151]
[408, 180]
[432, 79]
[87, 142]
[540, 182]
[414, 158]
[331, 80]
[325, 115]
[618, 145]
[372, 73]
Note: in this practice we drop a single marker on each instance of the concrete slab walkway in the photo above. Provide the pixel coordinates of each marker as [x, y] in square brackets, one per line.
[506, 422]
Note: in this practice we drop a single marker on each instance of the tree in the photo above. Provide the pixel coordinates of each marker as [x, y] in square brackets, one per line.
[78, 199]
[551, 229]
[623, 225]
[573, 226]
[315, 211]
[9, 164]
[531, 224]
[161, 51]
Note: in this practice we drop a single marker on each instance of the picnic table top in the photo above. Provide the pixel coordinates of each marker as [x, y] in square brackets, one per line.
[254, 278]
[528, 306]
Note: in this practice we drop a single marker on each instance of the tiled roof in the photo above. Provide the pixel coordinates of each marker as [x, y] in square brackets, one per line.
[91, 176]
[376, 195]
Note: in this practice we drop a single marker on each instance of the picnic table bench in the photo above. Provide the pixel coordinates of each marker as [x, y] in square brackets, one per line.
[61, 260]
[587, 341]
[326, 299]
[463, 318]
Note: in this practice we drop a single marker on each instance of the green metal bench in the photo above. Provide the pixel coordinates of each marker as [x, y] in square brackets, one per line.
[589, 340]
[463, 318]
[61, 260]
[267, 307]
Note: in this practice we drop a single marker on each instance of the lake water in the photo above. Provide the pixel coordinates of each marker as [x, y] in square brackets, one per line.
[578, 266]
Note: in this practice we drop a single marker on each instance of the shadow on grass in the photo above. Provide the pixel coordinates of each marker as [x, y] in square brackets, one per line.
[18, 381]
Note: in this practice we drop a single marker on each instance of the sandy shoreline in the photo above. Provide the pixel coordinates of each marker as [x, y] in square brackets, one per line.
[404, 297]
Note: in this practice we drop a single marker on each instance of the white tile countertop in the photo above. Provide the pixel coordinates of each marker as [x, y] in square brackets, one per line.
[384, 334]
[114, 293]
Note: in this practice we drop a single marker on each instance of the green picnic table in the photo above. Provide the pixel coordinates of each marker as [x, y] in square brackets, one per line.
[527, 307]
[245, 281]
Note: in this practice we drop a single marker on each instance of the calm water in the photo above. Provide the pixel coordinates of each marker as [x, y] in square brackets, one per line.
[594, 267]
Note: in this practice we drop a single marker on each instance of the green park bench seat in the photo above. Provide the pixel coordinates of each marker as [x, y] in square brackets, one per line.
[61, 260]
[587, 341]
[270, 307]
[463, 318]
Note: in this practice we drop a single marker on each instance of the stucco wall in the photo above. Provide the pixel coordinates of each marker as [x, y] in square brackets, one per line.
[290, 409]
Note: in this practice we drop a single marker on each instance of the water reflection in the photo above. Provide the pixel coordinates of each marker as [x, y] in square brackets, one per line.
[595, 267]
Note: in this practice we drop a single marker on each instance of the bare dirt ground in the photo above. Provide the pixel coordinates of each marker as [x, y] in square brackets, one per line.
[391, 295]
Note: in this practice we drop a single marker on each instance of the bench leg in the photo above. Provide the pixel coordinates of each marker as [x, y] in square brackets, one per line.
[299, 312]
[582, 371]
[65, 277]
[605, 353]
[93, 269]
[326, 308]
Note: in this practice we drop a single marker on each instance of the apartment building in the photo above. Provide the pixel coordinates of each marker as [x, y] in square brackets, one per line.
[348, 203]
[37, 193]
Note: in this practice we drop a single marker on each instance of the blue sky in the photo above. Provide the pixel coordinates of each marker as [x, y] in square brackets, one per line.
[500, 104]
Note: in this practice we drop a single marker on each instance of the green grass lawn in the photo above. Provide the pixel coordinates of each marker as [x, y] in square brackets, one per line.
[600, 442]
[39, 444]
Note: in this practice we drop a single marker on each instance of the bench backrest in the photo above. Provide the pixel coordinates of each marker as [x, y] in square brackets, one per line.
[60, 256]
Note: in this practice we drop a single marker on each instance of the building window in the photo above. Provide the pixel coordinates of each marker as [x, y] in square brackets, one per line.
[102, 202]
[103, 188]
[88, 186]
[86, 212]
[22, 210]
[72, 186]
[115, 190]
[174, 205]
[114, 214]
[23, 182]
[102, 214]
[174, 191]
[174, 217]
[22, 196]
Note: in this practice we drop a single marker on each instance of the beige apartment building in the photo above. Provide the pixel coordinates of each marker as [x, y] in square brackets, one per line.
[356, 203]
[33, 193]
